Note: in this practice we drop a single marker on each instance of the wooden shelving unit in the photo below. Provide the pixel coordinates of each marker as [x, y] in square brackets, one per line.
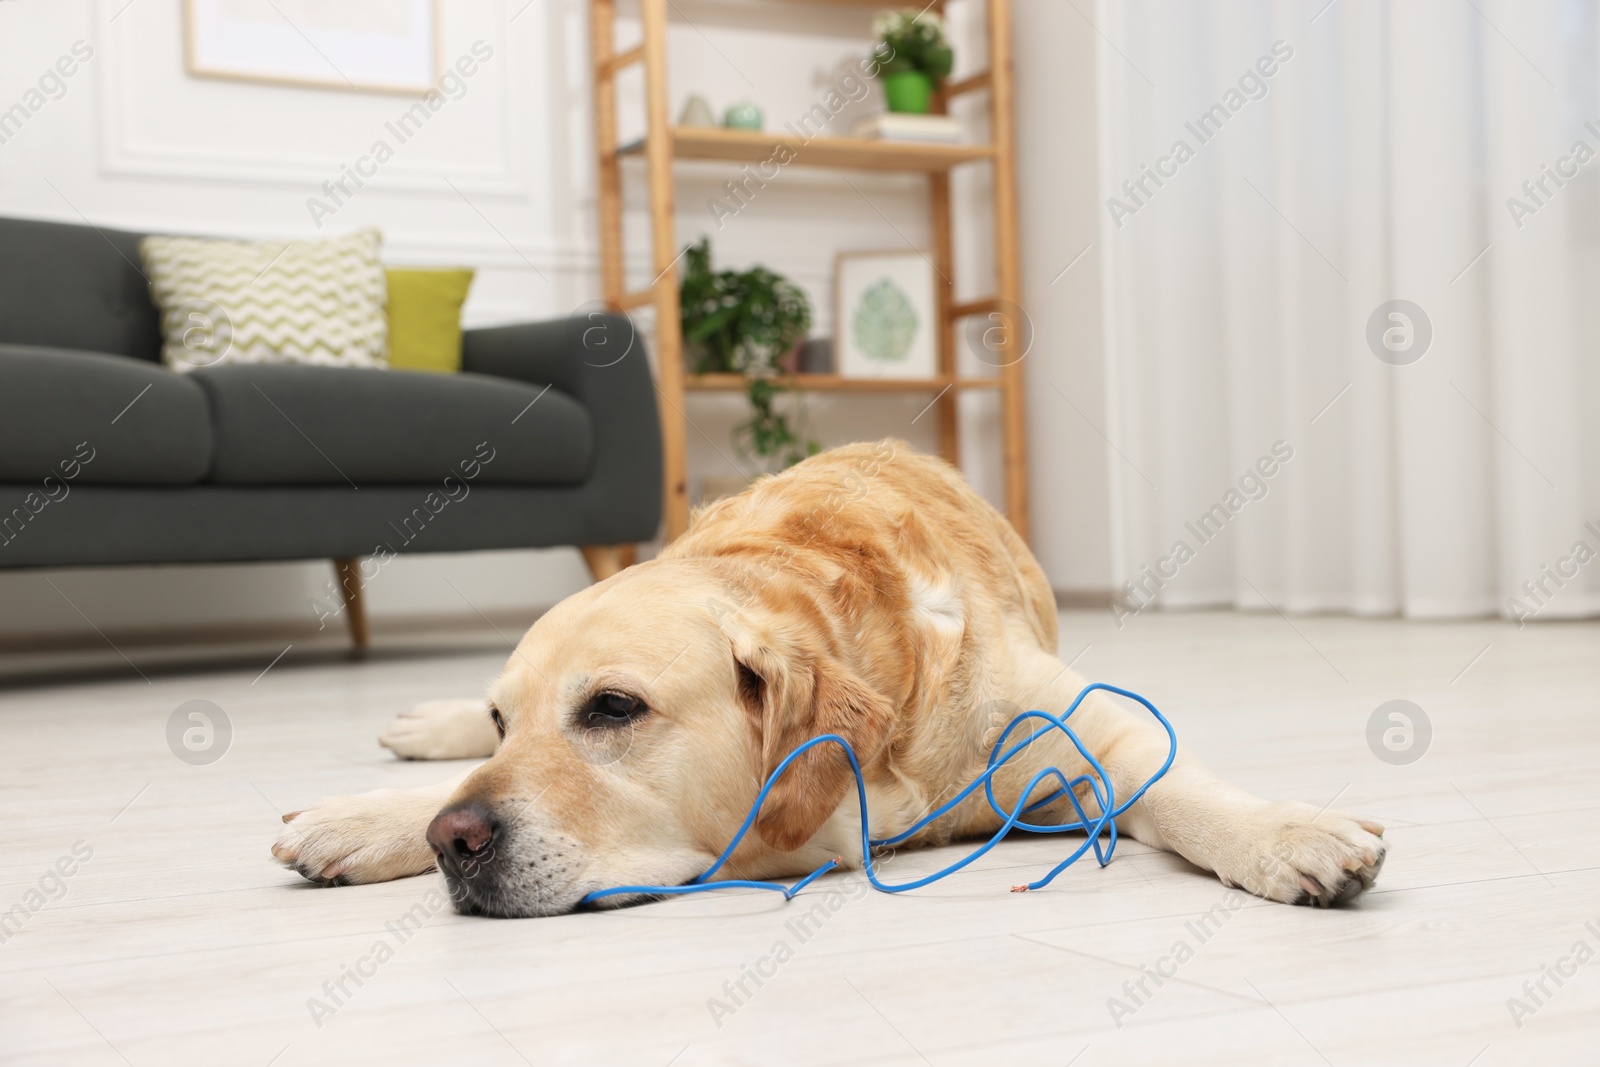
[664, 144]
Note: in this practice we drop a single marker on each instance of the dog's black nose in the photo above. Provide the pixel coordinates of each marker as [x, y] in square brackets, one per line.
[464, 832]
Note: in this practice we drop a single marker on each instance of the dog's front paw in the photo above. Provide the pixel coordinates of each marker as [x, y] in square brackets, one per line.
[442, 729]
[371, 837]
[1301, 856]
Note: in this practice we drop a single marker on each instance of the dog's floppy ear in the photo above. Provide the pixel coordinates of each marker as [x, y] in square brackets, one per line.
[799, 692]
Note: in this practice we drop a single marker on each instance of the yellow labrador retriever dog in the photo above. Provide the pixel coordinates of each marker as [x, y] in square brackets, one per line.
[866, 592]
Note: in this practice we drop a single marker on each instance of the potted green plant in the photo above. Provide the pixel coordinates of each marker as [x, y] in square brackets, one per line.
[745, 322]
[919, 58]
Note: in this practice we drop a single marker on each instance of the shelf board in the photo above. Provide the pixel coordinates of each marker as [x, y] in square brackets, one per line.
[872, 5]
[849, 153]
[834, 383]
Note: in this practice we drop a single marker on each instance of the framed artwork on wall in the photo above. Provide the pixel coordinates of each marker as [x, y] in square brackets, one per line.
[383, 46]
[885, 315]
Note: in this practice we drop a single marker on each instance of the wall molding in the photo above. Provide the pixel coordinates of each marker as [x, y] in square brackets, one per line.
[490, 251]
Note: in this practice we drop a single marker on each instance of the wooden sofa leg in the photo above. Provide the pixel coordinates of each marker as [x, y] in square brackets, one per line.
[348, 571]
[606, 560]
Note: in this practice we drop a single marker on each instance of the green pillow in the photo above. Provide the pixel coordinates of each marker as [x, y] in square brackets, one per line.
[425, 318]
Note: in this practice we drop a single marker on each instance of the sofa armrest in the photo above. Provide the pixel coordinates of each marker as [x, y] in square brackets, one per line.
[599, 360]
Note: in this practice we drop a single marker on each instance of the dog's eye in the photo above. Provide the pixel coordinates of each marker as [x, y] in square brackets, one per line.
[611, 709]
[499, 723]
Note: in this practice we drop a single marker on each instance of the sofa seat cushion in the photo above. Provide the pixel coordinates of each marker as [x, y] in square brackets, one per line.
[295, 424]
[97, 419]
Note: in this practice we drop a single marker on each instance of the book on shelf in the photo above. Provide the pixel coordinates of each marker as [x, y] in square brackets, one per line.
[895, 126]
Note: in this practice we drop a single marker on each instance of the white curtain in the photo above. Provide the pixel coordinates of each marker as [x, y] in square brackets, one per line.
[1356, 153]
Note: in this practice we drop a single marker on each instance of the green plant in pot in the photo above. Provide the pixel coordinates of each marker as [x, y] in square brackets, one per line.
[744, 322]
[919, 58]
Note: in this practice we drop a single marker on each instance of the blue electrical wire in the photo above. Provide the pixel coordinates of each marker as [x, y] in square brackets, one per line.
[1097, 780]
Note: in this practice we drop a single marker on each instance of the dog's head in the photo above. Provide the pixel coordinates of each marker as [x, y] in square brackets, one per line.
[639, 719]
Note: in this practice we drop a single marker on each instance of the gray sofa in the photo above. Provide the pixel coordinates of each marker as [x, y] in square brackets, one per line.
[107, 457]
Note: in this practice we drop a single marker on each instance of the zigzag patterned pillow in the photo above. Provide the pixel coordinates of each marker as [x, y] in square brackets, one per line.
[269, 302]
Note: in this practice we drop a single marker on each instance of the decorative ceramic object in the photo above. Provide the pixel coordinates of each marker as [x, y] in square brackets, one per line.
[907, 92]
[743, 116]
[697, 112]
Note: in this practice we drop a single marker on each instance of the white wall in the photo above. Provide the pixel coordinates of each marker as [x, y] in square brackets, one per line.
[1058, 192]
[135, 142]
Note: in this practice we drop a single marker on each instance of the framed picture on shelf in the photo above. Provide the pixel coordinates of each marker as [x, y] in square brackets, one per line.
[885, 315]
[385, 46]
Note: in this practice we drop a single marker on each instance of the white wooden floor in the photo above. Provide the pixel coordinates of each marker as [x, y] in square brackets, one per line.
[179, 941]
